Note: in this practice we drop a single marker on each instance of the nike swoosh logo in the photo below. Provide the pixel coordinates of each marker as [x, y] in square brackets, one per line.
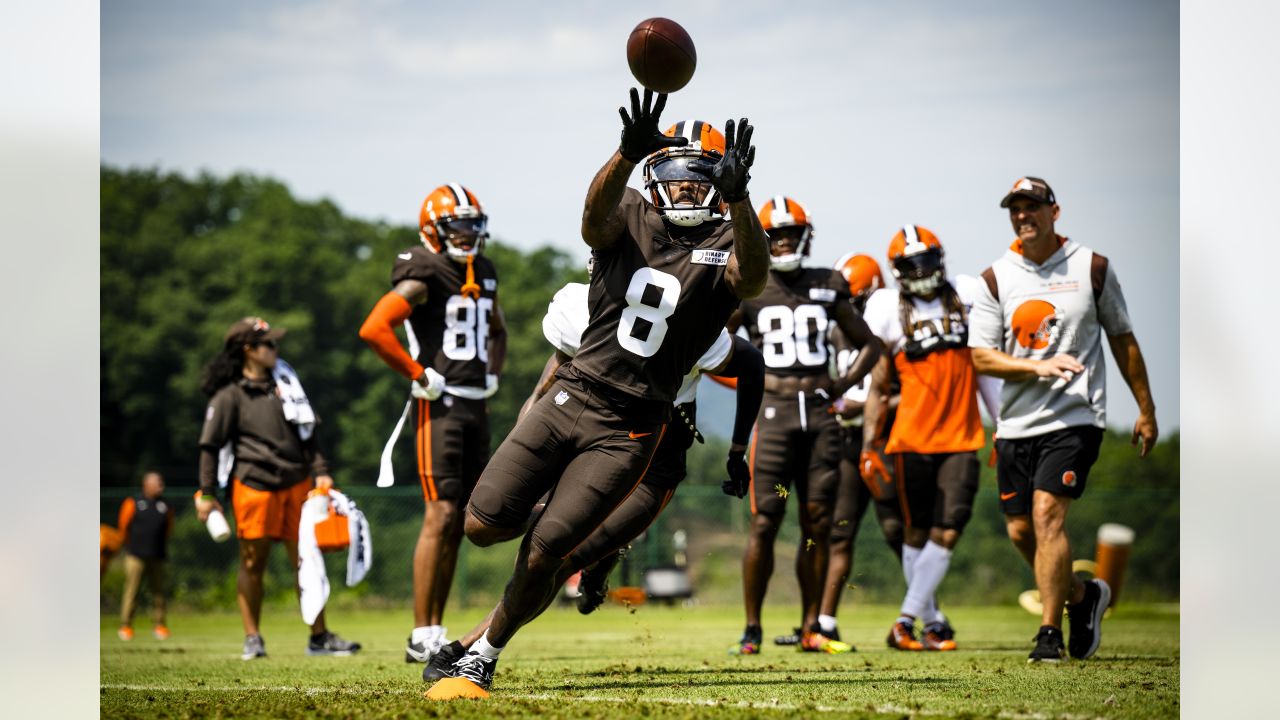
[405, 256]
[636, 436]
[1006, 496]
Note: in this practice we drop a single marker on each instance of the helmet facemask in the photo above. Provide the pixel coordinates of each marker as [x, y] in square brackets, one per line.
[800, 237]
[684, 197]
[462, 235]
[922, 273]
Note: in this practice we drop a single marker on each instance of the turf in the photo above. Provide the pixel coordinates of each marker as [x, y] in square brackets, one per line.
[654, 662]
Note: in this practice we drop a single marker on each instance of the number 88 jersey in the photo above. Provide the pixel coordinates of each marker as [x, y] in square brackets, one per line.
[656, 303]
[452, 329]
[788, 322]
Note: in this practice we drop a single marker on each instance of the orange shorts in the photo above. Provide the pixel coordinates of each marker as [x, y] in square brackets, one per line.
[275, 514]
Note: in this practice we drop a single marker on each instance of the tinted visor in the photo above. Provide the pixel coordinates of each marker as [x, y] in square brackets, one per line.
[919, 266]
[463, 231]
[677, 168]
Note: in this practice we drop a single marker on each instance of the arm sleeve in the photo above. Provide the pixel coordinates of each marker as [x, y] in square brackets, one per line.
[986, 320]
[378, 331]
[1113, 312]
[747, 365]
[127, 509]
[208, 472]
[319, 465]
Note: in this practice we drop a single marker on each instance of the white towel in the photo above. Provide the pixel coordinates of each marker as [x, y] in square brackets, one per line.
[293, 399]
[312, 578]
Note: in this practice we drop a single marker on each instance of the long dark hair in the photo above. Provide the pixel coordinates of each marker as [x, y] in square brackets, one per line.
[951, 304]
[224, 369]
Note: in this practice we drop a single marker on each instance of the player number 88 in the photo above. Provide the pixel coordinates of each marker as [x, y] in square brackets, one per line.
[466, 328]
[651, 299]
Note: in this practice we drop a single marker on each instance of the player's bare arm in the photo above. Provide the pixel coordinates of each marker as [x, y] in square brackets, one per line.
[748, 268]
[1133, 368]
[877, 406]
[601, 224]
[415, 291]
[990, 361]
[860, 336]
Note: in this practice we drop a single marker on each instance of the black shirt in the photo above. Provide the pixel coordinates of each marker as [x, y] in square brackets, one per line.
[789, 322]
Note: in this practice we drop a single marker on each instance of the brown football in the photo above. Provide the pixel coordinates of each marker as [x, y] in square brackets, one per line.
[661, 55]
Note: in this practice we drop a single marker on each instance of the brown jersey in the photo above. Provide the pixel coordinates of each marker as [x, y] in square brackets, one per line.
[789, 321]
[656, 304]
[452, 330]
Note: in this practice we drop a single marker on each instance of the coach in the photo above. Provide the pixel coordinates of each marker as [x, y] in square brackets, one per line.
[1038, 327]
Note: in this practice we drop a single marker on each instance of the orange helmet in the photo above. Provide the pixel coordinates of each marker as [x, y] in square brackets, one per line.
[863, 275]
[1035, 324]
[915, 258]
[451, 221]
[666, 170]
[784, 218]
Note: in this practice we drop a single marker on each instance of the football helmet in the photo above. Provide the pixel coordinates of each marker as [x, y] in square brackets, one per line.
[784, 218]
[666, 171]
[915, 258]
[452, 222]
[862, 272]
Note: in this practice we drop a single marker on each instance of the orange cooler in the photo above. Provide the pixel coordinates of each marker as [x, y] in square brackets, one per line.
[1114, 542]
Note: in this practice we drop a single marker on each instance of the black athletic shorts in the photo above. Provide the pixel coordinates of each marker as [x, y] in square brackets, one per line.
[797, 441]
[451, 441]
[1056, 462]
[853, 496]
[576, 444]
[936, 489]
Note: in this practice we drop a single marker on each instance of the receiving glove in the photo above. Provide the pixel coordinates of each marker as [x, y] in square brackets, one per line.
[429, 387]
[640, 135]
[739, 474]
[731, 174]
[876, 476]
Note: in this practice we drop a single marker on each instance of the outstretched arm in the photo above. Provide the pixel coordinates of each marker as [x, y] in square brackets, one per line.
[748, 268]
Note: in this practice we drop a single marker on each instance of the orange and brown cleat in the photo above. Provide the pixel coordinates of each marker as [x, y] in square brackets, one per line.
[125, 633]
[161, 632]
[902, 636]
[935, 639]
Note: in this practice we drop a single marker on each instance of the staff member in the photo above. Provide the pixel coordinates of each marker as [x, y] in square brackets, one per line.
[1039, 326]
[258, 410]
[146, 522]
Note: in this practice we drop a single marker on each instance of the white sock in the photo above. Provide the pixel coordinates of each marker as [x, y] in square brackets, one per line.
[442, 636]
[927, 573]
[483, 647]
[827, 623]
[424, 635]
[909, 556]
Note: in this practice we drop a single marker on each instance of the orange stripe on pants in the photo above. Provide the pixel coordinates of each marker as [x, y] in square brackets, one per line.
[424, 451]
[751, 467]
[900, 478]
[661, 432]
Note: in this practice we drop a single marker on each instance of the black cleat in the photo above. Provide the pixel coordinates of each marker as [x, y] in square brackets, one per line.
[792, 639]
[1086, 619]
[326, 643]
[752, 637]
[416, 652]
[593, 588]
[474, 667]
[440, 663]
[1048, 646]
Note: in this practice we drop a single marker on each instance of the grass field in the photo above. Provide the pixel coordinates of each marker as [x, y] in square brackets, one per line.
[656, 662]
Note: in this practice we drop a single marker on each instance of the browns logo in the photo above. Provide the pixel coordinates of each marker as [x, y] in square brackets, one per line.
[1036, 324]
[1069, 478]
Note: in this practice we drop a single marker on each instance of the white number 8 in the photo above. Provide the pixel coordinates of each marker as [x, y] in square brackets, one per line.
[654, 317]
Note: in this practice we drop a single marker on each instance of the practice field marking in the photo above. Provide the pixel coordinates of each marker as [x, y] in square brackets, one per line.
[881, 709]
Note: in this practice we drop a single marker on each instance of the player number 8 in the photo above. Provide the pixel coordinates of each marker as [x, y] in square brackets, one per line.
[643, 325]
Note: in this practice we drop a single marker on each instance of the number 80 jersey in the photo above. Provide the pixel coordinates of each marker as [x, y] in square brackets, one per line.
[656, 305]
[452, 330]
[788, 322]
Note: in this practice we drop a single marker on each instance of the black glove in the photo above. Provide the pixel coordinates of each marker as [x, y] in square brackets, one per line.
[730, 175]
[640, 134]
[739, 475]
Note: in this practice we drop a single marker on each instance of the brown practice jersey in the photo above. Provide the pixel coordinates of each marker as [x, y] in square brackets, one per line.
[789, 321]
[656, 304]
[452, 329]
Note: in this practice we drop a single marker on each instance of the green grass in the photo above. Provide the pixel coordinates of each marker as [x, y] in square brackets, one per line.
[656, 662]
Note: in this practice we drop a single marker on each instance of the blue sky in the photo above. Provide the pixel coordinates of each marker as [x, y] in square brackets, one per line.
[873, 114]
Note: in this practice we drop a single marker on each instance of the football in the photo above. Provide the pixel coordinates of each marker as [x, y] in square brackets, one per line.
[661, 55]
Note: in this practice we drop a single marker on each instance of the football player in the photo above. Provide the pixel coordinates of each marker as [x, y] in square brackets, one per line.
[669, 270]
[797, 441]
[937, 431]
[447, 290]
[728, 356]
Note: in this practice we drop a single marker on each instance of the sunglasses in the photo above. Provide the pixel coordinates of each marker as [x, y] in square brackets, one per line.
[269, 343]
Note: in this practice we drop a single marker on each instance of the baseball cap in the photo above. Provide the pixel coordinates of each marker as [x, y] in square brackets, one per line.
[1032, 187]
[250, 330]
